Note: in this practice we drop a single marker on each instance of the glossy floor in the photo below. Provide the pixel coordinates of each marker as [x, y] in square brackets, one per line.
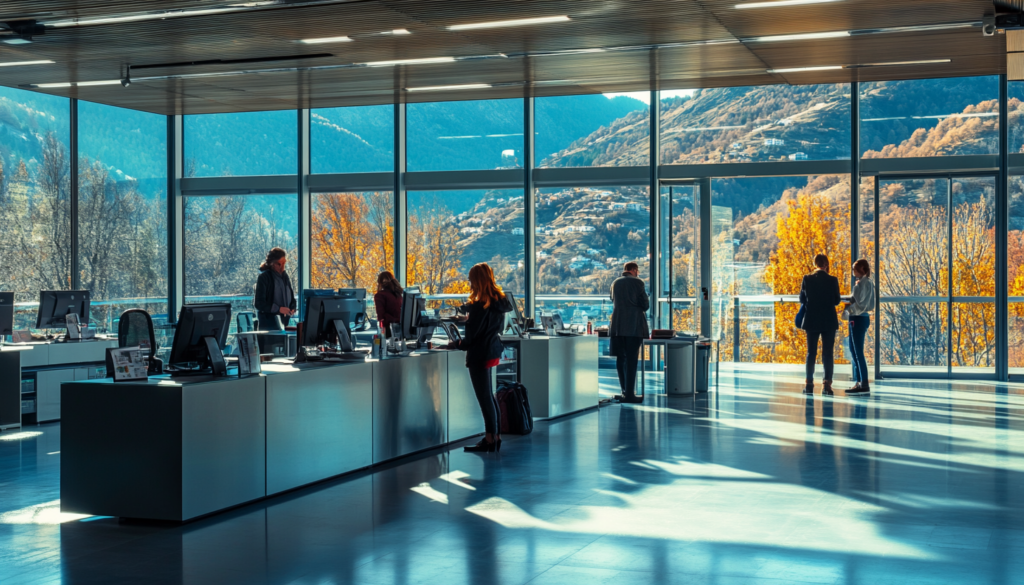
[922, 482]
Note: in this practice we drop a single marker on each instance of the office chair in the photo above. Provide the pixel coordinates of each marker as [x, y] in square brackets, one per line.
[245, 322]
[135, 328]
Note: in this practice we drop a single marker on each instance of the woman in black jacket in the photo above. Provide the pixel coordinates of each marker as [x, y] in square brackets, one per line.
[820, 293]
[274, 293]
[487, 307]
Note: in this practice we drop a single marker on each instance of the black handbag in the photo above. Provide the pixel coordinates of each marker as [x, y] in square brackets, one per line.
[800, 315]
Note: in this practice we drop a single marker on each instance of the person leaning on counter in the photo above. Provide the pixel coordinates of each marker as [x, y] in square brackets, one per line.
[274, 293]
[482, 343]
[388, 301]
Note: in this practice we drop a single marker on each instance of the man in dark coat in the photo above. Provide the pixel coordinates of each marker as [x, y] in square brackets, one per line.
[628, 328]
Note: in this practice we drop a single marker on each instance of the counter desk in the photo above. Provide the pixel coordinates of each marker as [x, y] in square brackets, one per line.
[177, 449]
[560, 373]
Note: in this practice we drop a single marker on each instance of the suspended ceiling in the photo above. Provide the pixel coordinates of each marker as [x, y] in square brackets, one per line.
[665, 44]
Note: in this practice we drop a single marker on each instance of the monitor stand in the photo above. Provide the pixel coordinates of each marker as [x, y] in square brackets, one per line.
[345, 343]
[215, 357]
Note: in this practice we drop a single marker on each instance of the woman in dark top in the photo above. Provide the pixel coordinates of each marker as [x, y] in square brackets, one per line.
[820, 293]
[487, 307]
[274, 294]
[388, 301]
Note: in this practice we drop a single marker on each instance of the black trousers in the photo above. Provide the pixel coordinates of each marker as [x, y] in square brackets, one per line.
[627, 356]
[828, 344]
[269, 323]
[480, 376]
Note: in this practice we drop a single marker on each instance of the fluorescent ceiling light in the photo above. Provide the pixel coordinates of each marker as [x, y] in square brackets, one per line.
[894, 63]
[514, 22]
[409, 61]
[322, 40]
[450, 87]
[78, 83]
[398, 32]
[803, 69]
[801, 37]
[159, 15]
[17, 41]
[16, 63]
[778, 3]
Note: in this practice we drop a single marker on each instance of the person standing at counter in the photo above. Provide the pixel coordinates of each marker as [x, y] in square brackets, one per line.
[628, 328]
[388, 301]
[274, 296]
[486, 320]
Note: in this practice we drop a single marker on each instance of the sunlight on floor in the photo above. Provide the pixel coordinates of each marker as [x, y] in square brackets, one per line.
[19, 436]
[46, 513]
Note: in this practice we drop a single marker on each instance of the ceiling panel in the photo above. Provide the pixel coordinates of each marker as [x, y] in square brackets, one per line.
[669, 44]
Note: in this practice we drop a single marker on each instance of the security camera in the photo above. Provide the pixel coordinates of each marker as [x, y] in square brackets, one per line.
[988, 30]
[126, 81]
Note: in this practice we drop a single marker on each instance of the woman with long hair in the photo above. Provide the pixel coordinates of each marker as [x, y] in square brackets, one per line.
[274, 297]
[819, 292]
[482, 344]
[388, 301]
[859, 309]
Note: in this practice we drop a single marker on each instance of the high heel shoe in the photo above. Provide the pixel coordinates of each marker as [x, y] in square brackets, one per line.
[484, 446]
[497, 446]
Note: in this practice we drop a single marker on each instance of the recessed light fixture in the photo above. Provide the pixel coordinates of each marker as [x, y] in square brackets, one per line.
[896, 63]
[322, 40]
[159, 14]
[803, 69]
[450, 87]
[801, 37]
[16, 63]
[78, 83]
[514, 22]
[779, 3]
[17, 41]
[409, 61]
[398, 32]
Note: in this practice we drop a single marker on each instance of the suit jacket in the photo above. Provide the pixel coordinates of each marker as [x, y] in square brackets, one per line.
[263, 298]
[820, 292]
[482, 341]
[629, 307]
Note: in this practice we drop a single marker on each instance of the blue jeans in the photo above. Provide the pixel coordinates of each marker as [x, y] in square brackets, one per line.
[858, 329]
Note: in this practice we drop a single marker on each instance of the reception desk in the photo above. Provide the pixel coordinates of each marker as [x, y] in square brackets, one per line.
[177, 449]
[559, 373]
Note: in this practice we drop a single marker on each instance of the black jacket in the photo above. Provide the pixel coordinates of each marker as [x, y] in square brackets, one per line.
[263, 299]
[629, 307]
[483, 328]
[820, 292]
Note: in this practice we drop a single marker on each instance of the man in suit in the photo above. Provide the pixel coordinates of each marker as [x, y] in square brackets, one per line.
[628, 328]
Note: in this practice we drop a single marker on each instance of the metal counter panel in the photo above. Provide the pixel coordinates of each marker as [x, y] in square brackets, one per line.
[559, 373]
[10, 387]
[319, 422]
[223, 444]
[79, 352]
[410, 404]
[464, 418]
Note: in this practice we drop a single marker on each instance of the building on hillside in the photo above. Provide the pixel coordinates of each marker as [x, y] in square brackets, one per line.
[736, 145]
[635, 206]
[518, 231]
[774, 142]
[798, 156]
[585, 228]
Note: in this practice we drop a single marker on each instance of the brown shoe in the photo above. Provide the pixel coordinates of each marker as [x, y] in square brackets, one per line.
[858, 390]
[809, 387]
[826, 388]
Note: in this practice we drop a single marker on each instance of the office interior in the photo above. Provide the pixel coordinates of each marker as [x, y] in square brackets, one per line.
[151, 156]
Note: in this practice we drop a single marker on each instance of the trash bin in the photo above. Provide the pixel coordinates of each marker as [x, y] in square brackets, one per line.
[679, 365]
[703, 364]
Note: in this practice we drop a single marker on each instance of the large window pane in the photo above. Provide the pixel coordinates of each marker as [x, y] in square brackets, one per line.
[1015, 272]
[35, 191]
[451, 136]
[353, 240]
[251, 143]
[767, 123]
[586, 234]
[449, 233]
[680, 262]
[122, 209]
[765, 233]
[931, 117]
[974, 271]
[228, 237]
[593, 130]
[352, 140]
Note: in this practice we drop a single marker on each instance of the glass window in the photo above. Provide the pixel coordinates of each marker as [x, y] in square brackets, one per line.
[352, 140]
[353, 240]
[251, 143]
[1015, 273]
[766, 123]
[451, 136]
[931, 117]
[122, 210]
[593, 130]
[764, 234]
[680, 261]
[449, 233]
[585, 235]
[35, 191]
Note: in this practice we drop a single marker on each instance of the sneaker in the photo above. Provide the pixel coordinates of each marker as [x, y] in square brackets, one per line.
[629, 399]
[858, 390]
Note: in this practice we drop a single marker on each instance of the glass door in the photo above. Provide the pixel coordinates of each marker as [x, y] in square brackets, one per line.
[935, 260]
[679, 288]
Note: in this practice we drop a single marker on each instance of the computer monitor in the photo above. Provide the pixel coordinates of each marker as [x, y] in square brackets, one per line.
[6, 314]
[517, 313]
[200, 335]
[331, 319]
[56, 305]
[412, 303]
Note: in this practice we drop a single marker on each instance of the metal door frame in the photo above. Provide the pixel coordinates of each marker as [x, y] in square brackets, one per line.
[702, 210]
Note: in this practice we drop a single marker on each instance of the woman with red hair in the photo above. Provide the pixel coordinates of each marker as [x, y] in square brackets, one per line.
[482, 344]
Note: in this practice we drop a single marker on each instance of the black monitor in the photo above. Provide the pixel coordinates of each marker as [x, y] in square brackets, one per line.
[200, 335]
[56, 305]
[518, 318]
[412, 304]
[331, 319]
[6, 313]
